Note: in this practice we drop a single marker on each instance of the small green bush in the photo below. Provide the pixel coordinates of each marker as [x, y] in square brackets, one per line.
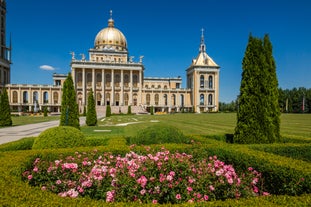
[60, 137]
[158, 134]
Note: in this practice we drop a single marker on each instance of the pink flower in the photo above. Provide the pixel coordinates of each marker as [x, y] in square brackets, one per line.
[142, 192]
[178, 196]
[205, 197]
[110, 196]
[72, 193]
[211, 188]
[189, 189]
[35, 169]
[154, 201]
[58, 182]
[43, 188]
[265, 194]
[29, 177]
[250, 169]
[142, 181]
[169, 178]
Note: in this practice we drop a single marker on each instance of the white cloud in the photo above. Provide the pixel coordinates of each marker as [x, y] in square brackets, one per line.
[47, 67]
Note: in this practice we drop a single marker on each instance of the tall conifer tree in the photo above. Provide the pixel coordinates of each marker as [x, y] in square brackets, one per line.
[257, 117]
[5, 112]
[70, 112]
[91, 118]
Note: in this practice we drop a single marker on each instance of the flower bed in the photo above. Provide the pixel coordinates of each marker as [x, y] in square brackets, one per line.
[160, 177]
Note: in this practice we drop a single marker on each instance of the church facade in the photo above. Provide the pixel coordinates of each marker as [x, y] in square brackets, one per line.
[117, 80]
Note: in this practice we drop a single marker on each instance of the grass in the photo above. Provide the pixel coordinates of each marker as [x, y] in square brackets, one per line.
[292, 125]
[23, 120]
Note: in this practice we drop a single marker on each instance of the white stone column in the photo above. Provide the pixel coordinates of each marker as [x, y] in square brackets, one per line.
[122, 91]
[112, 88]
[131, 88]
[83, 87]
[103, 88]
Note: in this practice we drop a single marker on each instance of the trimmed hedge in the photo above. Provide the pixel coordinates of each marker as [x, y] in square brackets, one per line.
[158, 134]
[60, 137]
[280, 173]
[22, 144]
[295, 151]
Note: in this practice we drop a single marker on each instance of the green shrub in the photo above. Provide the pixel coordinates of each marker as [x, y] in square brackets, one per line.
[158, 134]
[22, 144]
[60, 137]
[90, 142]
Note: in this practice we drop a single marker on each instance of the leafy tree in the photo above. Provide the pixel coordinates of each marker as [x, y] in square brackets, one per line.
[5, 112]
[91, 118]
[108, 111]
[258, 113]
[69, 106]
[151, 110]
[45, 111]
[129, 110]
[84, 111]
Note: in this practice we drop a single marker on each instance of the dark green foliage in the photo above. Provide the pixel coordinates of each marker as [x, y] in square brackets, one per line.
[258, 114]
[45, 111]
[84, 111]
[108, 111]
[129, 110]
[151, 110]
[158, 134]
[69, 107]
[296, 100]
[22, 144]
[60, 137]
[91, 117]
[5, 112]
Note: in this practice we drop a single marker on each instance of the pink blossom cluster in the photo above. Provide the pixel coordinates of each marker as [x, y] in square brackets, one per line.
[162, 177]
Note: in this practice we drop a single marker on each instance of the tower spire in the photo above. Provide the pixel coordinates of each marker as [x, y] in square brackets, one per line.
[202, 45]
[110, 21]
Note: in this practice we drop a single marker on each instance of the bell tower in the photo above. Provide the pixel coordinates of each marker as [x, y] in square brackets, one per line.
[203, 80]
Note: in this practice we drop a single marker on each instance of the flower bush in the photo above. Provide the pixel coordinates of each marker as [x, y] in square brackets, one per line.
[160, 177]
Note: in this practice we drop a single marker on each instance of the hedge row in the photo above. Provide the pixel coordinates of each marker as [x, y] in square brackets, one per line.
[295, 151]
[281, 174]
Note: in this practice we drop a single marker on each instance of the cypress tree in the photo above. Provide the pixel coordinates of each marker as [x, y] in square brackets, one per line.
[45, 111]
[69, 106]
[108, 111]
[84, 111]
[91, 118]
[255, 119]
[129, 110]
[151, 110]
[5, 112]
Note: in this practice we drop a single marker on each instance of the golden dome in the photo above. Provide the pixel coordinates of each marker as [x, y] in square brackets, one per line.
[110, 38]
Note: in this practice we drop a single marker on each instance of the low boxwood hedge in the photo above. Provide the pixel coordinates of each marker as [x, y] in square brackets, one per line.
[281, 174]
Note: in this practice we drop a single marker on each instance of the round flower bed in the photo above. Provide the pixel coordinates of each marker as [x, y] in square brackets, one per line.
[161, 177]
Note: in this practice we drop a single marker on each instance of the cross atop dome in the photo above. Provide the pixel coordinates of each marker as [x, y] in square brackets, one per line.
[110, 21]
[202, 45]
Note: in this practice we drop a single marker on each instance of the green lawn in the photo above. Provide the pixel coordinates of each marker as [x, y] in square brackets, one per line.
[298, 125]
[23, 120]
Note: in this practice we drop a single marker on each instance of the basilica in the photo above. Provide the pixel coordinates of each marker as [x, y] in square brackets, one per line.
[117, 80]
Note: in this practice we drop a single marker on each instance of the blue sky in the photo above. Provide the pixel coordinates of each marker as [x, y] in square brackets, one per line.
[166, 32]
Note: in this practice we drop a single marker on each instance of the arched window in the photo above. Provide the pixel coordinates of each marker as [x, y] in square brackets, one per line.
[108, 80]
[117, 99]
[165, 87]
[126, 99]
[173, 100]
[135, 99]
[210, 82]
[107, 99]
[210, 99]
[89, 79]
[148, 99]
[55, 98]
[79, 79]
[35, 97]
[202, 81]
[15, 97]
[135, 80]
[165, 99]
[126, 80]
[117, 80]
[25, 97]
[202, 99]
[98, 99]
[98, 79]
[182, 99]
[156, 99]
[159, 86]
[45, 97]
